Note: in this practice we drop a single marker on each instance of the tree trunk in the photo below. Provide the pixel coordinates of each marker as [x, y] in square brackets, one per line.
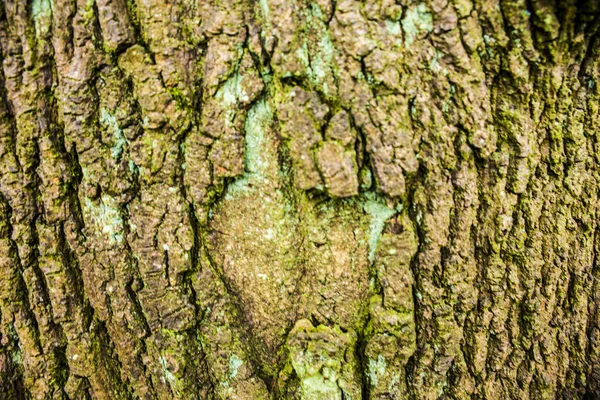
[283, 199]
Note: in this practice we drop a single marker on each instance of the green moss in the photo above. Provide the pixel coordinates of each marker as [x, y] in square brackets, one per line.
[17, 356]
[365, 178]
[180, 97]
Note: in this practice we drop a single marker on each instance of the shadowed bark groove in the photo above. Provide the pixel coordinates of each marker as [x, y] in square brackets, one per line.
[328, 199]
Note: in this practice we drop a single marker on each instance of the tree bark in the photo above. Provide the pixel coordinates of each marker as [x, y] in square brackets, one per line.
[283, 199]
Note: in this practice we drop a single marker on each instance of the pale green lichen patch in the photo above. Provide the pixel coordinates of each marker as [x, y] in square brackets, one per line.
[319, 66]
[322, 63]
[302, 54]
[85, 172]
[230, 94]
[41, 11]
[316, 387]
[416, 22]
[434, 64]
[264, 8]
[322, 358]
[393, 27]
[167, 374]
[256, 164]
[110, 122]
[106, 217]
[376, 369]
[234, 365]
[133, 168]
[379, 212]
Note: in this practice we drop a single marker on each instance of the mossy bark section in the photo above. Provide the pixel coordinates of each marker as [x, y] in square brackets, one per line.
[235, 199]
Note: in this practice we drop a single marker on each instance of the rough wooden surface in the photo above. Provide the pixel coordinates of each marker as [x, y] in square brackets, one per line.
[284, 199]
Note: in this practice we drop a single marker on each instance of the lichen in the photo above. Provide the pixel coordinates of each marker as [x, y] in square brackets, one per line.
[110, 121]
[416, 22]
[320, 64]
[231, 91]
[168, 374]
[434, 65]
[264, 7]
[259, 117]
[323, 60]
[41, 11]
[106, 217]
[379, 212]
[393, 27]
[133, 168]
[376, 369]
[322, 359]
[316, 387]
[234, 365]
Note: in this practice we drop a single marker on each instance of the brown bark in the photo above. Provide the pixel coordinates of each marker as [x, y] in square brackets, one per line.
[236, 199]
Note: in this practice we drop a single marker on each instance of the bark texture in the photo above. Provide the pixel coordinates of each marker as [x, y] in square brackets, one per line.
[286, 199]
